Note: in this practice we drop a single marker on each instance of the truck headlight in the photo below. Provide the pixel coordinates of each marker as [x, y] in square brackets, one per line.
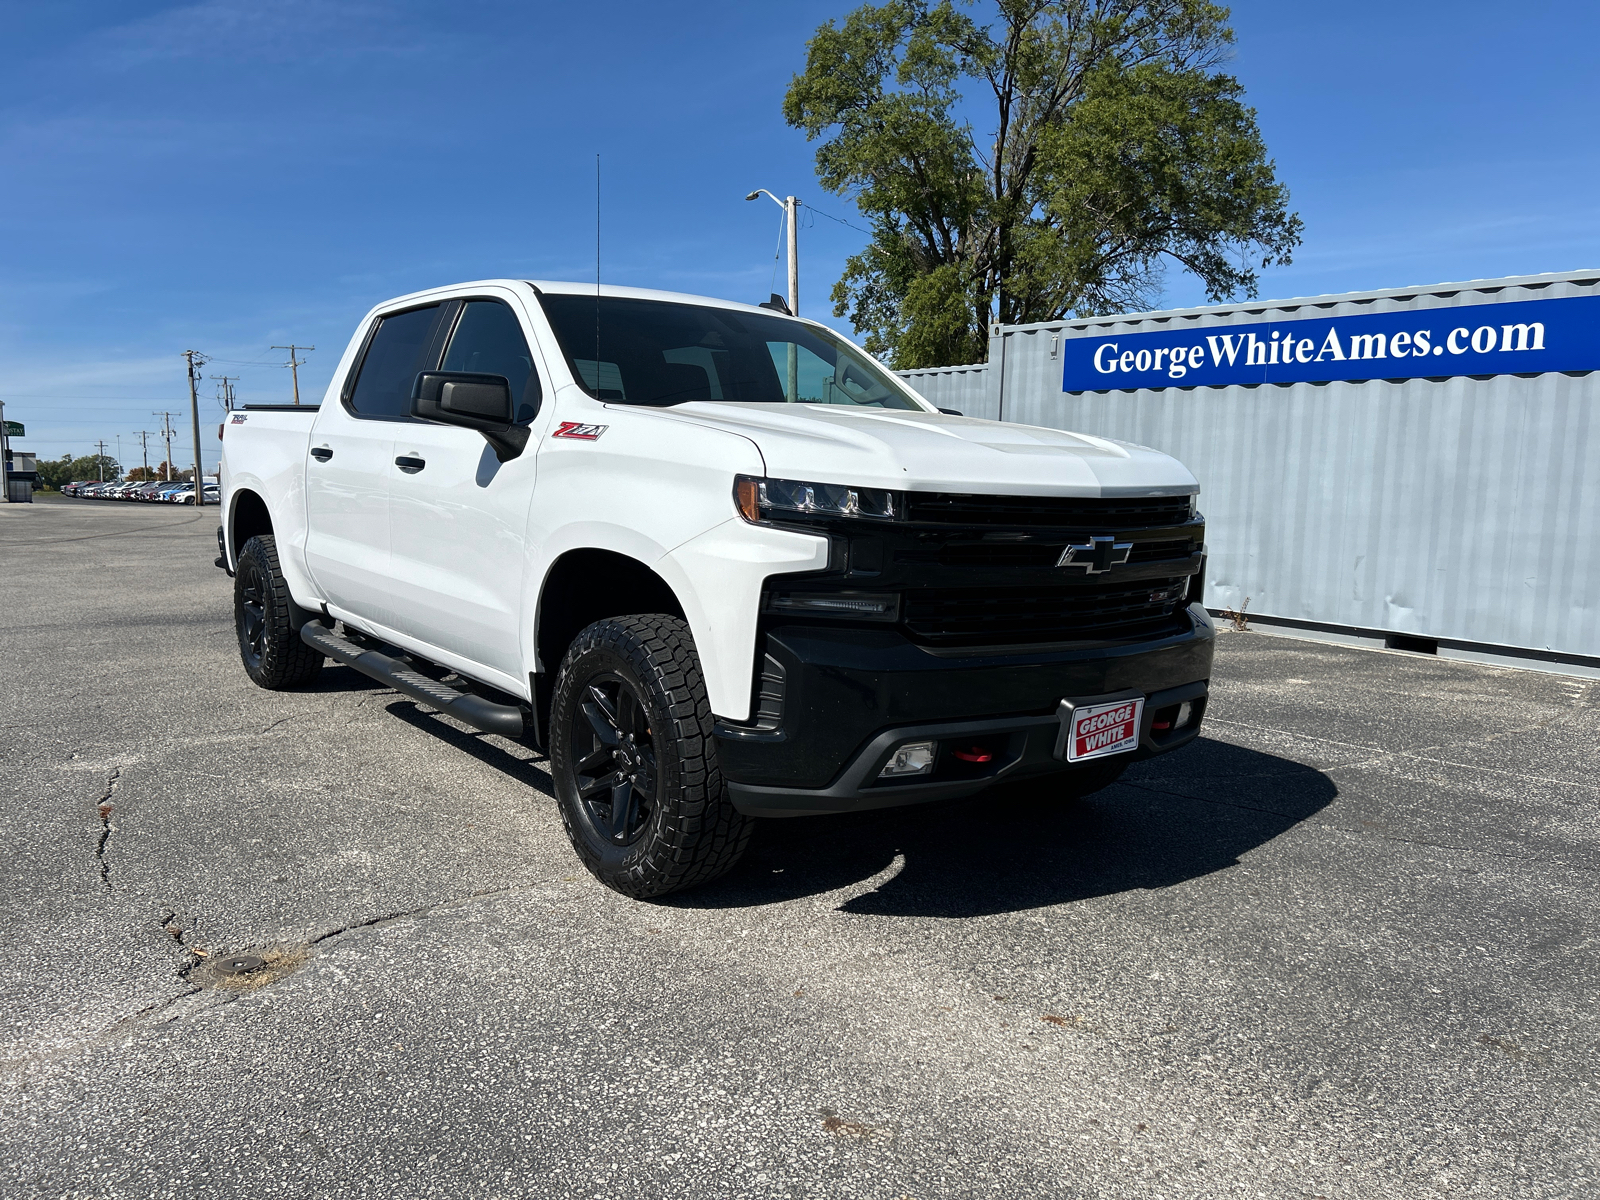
[763, 499]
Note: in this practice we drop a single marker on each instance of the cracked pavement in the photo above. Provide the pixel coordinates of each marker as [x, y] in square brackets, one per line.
[1345, 946]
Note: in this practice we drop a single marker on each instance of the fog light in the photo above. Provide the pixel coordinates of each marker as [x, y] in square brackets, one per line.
[862, 606]
[1184, 711]
[913, 758]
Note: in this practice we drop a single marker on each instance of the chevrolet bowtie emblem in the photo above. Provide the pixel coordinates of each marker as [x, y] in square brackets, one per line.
[1096, 556]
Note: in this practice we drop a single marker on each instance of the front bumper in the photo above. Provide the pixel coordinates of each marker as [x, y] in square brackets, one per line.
[849, 696]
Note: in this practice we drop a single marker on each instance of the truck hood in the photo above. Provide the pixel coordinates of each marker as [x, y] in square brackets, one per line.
[923, 451]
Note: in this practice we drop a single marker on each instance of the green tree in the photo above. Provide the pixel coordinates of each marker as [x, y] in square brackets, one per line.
[1114, 145]
[54, 472]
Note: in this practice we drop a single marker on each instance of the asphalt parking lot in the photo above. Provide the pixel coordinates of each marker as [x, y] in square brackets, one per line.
[1345, 946]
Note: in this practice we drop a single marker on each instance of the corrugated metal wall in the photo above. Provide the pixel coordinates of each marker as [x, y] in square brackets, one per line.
[970, 390]
[1467, 508]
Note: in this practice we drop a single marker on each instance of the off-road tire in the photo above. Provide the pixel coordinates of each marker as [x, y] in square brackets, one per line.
[691, 833]
[269, 646]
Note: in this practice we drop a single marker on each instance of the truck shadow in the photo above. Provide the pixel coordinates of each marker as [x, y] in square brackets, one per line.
[524, 765]
[1168, 821]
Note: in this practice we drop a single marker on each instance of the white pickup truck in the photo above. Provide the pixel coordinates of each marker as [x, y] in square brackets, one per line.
[715, 562]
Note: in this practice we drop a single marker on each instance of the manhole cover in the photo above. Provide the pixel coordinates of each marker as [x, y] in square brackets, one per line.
[238, 964]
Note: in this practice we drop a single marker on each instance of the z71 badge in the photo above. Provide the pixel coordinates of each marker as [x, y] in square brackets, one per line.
[576, 429]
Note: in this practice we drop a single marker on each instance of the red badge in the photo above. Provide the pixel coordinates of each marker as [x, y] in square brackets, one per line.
[577, 429]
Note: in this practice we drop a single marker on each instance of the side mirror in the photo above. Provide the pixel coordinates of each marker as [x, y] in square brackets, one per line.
[481, 402]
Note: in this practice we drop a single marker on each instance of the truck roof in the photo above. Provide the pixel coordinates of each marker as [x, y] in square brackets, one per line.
[567, 288]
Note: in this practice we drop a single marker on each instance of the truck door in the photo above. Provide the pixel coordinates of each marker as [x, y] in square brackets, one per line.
[351, 459]
[458, 516]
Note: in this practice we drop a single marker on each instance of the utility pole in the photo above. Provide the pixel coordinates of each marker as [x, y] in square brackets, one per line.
[791, 210]
[226, 395]
[196, 361]
[792, 206]
[100, 458]
[294, 365]
[166, 432]
[5, 454]
[144, 443]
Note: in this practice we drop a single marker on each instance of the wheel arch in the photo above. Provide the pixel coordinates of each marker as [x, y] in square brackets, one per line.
[248, 517]
[582, 586]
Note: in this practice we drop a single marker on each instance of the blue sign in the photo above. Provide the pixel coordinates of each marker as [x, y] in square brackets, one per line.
[1472, 339]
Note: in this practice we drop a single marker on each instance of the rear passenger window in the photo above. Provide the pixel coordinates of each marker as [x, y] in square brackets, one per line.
[488, 341]
[393, 359]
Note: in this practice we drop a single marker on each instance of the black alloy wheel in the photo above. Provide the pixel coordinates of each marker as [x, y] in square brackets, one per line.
[634, 759]
[251, 612]
[614, 759]
[269, 645]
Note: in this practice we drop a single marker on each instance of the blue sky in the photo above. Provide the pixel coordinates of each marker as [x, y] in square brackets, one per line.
[228, 175]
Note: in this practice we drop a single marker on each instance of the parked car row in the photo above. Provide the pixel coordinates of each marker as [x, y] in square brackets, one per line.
[176, 492]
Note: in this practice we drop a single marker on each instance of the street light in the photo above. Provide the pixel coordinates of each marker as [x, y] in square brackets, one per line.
[790, 207]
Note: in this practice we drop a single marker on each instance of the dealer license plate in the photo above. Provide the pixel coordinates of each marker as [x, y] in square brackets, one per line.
[1101, 729]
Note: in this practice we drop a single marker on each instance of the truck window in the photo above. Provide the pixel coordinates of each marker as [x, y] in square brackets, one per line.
[662, 352]
[488, 341]
[393, 359]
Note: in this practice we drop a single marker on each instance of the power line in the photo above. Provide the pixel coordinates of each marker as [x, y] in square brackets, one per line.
[256, 362]
[840, 220]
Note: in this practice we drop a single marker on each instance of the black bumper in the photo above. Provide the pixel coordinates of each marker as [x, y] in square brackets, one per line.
[849, 696]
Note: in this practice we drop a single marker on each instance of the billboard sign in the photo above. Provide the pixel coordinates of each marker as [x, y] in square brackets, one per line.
[1518, 337]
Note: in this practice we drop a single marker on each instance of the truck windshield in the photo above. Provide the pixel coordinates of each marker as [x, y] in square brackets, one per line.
[659, 352]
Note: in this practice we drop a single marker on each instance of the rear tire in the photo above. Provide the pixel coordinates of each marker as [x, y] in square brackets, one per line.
[634, 763]
[269, 646]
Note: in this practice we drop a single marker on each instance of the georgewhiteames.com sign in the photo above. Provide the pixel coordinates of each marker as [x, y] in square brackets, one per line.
[1475, 339]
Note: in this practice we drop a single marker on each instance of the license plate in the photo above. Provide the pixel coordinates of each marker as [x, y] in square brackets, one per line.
[1098, 730]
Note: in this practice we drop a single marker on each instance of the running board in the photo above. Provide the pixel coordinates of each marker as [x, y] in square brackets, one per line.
[503, 719]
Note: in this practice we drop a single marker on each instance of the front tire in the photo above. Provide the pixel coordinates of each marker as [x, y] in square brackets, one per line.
[634, 763]
[269, 646]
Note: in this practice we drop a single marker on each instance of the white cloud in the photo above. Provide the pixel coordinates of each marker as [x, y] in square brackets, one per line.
[289, 31]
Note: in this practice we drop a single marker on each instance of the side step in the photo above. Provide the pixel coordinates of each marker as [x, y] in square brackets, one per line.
[503, 719]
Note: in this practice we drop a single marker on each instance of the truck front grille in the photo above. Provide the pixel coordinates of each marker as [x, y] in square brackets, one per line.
[1043, 553]
[1005, 616]
[1047, 512]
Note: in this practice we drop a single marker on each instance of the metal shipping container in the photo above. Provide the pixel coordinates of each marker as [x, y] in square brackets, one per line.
[1459, 506]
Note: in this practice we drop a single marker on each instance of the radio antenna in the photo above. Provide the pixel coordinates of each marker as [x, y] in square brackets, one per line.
[597, 276]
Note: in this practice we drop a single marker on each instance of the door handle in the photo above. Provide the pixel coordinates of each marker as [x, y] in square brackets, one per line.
[321, 453]
[410, 464]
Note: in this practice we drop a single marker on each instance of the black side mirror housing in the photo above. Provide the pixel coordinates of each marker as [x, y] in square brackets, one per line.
[472, 401]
